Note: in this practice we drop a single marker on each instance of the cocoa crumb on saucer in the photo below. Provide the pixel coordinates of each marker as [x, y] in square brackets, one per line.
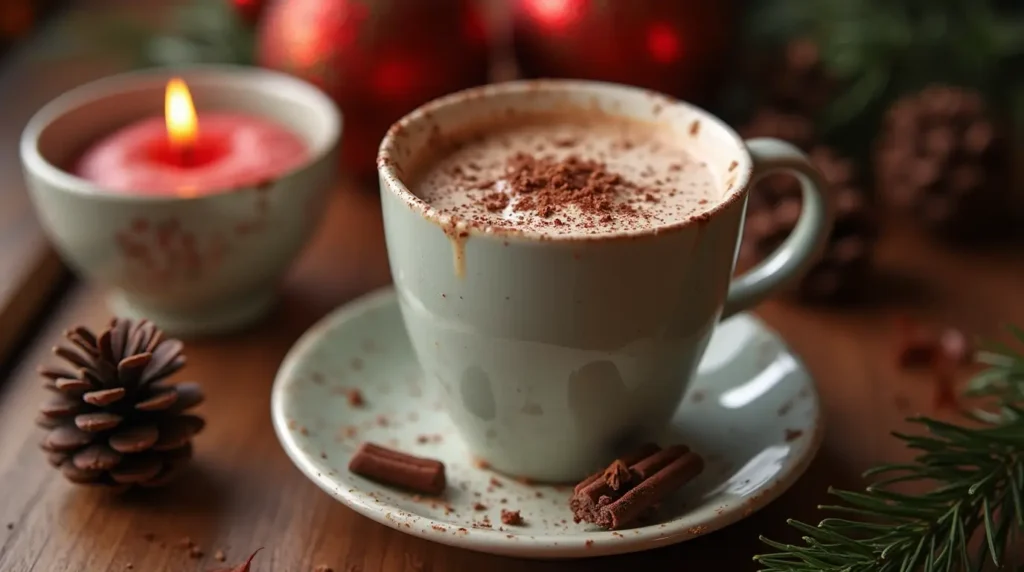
[793, 434]
[479, 506]
[511, 517]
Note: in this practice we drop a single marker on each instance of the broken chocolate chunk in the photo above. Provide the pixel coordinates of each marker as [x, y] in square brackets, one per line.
[511, 517]
[611, 501]
[398, 469]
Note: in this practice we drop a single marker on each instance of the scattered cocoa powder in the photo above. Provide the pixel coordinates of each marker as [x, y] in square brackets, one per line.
[511, 517]
[355, 398]
[546, 187]
[494, 202]
[481, 464]
[479, 506]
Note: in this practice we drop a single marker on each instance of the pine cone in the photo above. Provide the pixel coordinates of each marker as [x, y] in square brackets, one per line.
[795, 80]
[114, 421]
[942, 158]
[774, 208]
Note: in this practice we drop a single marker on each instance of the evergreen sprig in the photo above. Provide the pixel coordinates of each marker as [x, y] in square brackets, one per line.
[974, 473]
[192, 32]
[883, 49]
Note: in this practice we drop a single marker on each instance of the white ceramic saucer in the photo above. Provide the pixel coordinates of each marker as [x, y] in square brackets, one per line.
[753, 414]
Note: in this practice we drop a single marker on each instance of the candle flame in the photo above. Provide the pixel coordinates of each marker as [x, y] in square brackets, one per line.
[180, 115]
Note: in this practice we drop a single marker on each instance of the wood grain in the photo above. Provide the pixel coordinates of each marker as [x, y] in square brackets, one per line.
[242, 492]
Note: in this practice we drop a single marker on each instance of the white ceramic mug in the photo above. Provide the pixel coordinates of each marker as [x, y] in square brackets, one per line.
[553, 353]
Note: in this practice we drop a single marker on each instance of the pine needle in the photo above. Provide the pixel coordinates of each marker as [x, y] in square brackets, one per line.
[975, 480]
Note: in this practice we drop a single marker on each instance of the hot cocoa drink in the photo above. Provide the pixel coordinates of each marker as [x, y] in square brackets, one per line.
[574, 175]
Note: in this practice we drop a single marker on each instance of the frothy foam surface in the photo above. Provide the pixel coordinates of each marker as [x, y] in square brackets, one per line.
[566, 177]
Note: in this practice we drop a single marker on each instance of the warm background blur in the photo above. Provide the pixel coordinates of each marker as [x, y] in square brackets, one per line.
[911, 107]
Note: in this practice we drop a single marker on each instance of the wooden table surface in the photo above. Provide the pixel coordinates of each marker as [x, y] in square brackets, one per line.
[242, 493]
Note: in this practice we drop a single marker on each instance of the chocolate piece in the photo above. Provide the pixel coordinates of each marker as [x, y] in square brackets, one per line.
[398, 469]
[610, 500]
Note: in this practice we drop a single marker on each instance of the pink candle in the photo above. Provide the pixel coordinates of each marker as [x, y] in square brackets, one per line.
[183, 155]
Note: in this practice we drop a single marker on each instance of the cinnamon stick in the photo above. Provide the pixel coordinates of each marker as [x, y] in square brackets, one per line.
[614, 498]
[651, 491]
[634, 456]
[390, 467]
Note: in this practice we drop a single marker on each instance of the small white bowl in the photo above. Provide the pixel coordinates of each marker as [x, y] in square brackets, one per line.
[194, 266]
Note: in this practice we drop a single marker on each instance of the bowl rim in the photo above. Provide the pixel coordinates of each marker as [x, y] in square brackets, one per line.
[303, 92]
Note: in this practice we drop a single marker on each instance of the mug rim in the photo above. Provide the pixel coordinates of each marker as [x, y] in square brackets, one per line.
[66, 181]
[390, 178]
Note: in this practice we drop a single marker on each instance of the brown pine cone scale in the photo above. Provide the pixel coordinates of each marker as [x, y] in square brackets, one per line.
[942, 159]
[113, 420]
[774, 208]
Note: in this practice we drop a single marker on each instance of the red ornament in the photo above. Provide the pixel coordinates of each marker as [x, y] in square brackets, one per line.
[378, 59]
[679, 47]
[249, 10]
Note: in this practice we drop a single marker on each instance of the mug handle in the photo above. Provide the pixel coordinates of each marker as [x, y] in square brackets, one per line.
[800, 249]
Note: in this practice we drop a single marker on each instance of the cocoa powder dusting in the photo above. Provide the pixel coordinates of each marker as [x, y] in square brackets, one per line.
[561, 176]
[546, 187]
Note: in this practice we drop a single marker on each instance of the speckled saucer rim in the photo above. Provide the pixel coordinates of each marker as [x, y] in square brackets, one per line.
[582, 545]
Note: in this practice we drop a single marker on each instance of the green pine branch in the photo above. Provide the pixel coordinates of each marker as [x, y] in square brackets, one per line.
[974, 474]
[196, 31]
[882, 49]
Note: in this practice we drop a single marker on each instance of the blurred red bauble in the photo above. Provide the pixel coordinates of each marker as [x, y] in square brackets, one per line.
[249, 10]
[378, 59]
[679, 47]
